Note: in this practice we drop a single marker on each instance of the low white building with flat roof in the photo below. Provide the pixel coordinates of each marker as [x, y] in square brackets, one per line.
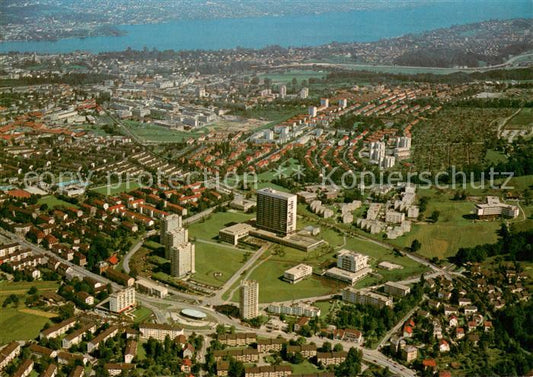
[297, 273]
[232, 234]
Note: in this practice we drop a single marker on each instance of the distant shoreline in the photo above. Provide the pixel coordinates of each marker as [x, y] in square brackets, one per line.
[258, 32]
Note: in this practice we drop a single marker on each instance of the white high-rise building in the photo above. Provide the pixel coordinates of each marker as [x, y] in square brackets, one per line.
[403, 142]
[122, 300]
[178, 249]
[377, 152]
[282, 91]
[313, 111]
[249, 301]
[276, 211]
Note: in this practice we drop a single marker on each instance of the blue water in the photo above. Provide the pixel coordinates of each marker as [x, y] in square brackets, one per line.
[296, 31]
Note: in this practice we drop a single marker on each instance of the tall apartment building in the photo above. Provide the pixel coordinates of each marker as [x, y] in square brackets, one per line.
[276, 211]
[178, 249]
[249, 303]
[377, 152]
[282, 91]
[351, 261]
[122, 300]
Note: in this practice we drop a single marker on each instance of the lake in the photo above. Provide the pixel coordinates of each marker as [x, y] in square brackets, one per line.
[296, 31]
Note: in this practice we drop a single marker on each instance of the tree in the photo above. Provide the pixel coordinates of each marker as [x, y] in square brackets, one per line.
[236, 368]
[415, 245]
[435, 216]
[351, 367]
[338, 347]
[32, 290]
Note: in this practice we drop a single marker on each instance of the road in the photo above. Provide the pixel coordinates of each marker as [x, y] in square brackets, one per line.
[217, 299]
[396, 327]
[133, 250]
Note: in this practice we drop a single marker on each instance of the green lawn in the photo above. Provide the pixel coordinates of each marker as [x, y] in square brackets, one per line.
[495, 157]
[522, 120]
[304, 368]
[452, 231]
[208, 229]
[116, 189]
[15, 325]
[142, 314]
[211, 259]
[54, 202]
[272, 288]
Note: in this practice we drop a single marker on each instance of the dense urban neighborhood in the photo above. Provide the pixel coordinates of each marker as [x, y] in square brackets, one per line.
[267, 212]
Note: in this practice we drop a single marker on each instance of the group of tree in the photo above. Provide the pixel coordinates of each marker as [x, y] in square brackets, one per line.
[516, 246]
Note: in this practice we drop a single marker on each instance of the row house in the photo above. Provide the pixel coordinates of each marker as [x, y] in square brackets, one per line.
[102, 337]
[306, 350]
[247, 355]
[8, 354]
[76, 337]
[59, 329]
[269, 345]
[331, 358]
[238, 339]
[268, 371]
[66, 358]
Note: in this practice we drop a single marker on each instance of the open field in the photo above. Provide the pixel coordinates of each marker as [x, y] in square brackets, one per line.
[54, 202]
[22, 323]
[236, 124]
[22, 287]
[17, 325]
[39, 313]
[116, 189]
[285, 77]
[524, 119]
[211, 259]
[152, 133]
[452, 231]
